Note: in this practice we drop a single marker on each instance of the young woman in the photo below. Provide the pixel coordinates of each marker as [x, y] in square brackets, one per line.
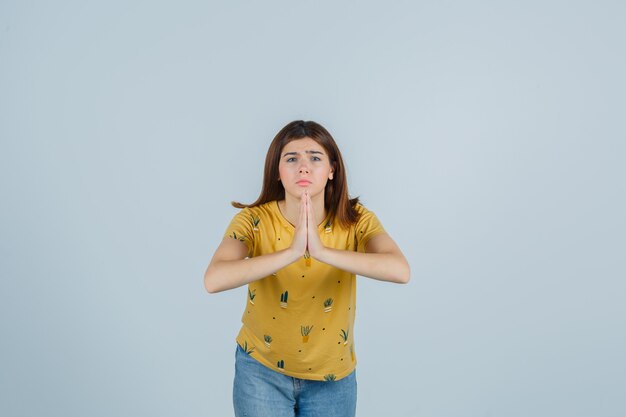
[299, 248]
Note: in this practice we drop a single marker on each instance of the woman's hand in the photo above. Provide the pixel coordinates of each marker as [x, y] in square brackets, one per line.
[314, 243]
[306, 236]
[299, 243]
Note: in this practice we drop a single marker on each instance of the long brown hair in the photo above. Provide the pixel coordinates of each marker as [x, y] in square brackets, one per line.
[337, 201]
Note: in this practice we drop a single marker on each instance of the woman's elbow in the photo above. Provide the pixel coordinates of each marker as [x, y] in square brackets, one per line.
[209, 282]
[210, 288]
[405, 274]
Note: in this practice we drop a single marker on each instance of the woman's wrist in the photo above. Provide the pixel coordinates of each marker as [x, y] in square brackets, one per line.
[319, 253]
[293, 254]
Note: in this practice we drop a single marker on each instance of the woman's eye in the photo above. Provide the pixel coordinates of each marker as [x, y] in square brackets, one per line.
[291, 159]
[316, 158]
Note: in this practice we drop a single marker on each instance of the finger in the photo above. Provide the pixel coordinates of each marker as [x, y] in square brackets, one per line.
[303, 216]
[309, 210]
[309, 217]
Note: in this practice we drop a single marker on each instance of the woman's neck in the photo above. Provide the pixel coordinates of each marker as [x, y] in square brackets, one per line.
[290, 208]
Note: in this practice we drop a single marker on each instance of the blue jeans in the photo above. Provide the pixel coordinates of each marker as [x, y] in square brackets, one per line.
[262, 392]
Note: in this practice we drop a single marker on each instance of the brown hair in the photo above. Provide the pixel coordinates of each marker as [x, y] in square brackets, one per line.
[337, 201]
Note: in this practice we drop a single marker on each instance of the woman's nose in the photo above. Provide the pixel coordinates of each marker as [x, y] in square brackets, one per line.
[304, 167]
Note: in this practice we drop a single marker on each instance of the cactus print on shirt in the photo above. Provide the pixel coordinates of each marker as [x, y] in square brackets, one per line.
[299, 320]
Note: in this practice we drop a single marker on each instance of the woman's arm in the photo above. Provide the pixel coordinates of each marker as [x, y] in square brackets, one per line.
[382, 260]
[230, 268]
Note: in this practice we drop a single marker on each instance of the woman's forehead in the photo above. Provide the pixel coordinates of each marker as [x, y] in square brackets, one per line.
[303, 145]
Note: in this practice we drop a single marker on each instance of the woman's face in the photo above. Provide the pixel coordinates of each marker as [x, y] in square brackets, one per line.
[304, 164]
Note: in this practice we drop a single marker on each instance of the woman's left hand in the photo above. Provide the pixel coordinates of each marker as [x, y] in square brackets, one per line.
[314, 243]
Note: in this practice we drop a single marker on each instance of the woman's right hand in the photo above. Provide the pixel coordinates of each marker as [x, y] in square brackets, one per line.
[299, 244]
[231, 268]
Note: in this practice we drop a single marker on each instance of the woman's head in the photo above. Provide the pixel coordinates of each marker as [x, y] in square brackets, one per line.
[304, 164]
[329, 168]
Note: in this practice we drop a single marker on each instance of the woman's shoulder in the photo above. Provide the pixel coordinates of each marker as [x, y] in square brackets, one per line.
[264, 209]
[361, 209]
[365, 216]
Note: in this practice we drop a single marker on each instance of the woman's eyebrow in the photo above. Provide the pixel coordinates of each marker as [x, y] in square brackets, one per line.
[297, 153]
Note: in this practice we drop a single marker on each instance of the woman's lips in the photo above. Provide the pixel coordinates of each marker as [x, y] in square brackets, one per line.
[303, 183]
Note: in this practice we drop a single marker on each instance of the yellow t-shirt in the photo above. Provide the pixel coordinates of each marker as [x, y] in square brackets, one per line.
[300, 320]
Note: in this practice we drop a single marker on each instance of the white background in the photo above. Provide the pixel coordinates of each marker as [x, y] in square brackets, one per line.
[487, 136]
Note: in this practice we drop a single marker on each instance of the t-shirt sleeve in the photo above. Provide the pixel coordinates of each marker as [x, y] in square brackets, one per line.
[241, 228]
[366, 228]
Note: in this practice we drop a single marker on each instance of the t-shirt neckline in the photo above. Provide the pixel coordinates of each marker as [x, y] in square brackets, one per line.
[288, 223]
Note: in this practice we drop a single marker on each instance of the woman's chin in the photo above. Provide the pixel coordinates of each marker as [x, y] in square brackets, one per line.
[297, 193]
